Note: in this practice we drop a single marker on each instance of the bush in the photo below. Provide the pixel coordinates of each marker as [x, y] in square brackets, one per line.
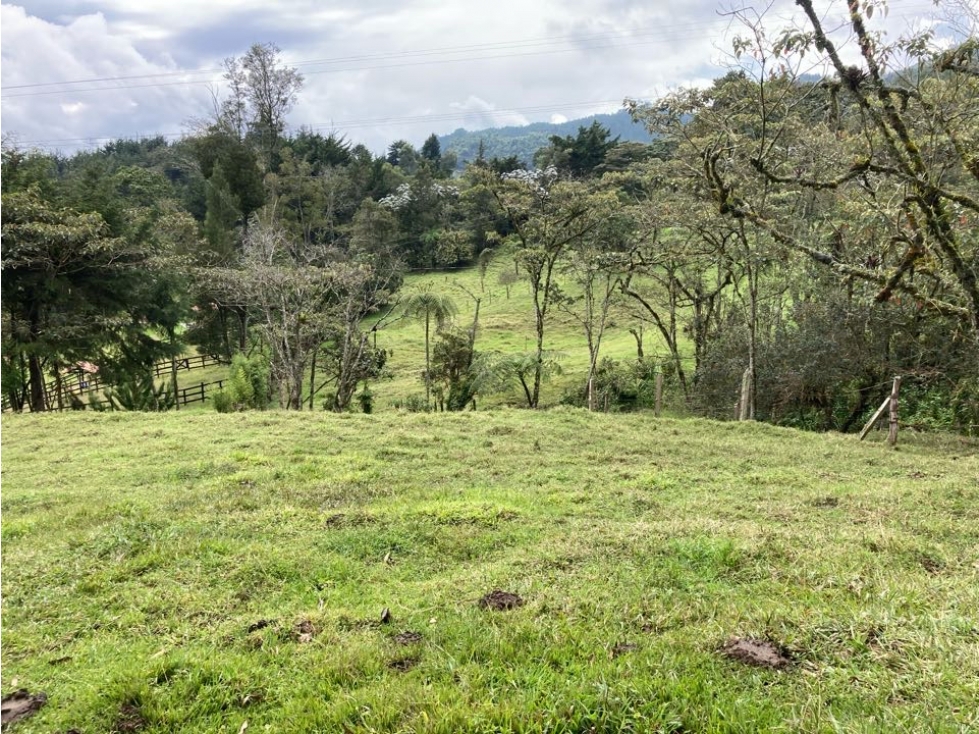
[366, 400]
[223, 402]
[139, 392]
[248, 385]
[413, 404]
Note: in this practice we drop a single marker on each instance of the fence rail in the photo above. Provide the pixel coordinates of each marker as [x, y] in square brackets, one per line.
[187, 363]
[198, 393]
[79, 382]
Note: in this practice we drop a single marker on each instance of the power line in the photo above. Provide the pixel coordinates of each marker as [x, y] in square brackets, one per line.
[478, 47]
[675, 32]
[499, 45]
[347, 69]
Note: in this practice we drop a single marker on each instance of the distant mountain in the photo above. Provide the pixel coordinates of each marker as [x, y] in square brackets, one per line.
[525, 140]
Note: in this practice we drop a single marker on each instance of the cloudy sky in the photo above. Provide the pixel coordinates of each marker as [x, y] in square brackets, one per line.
[78, 72]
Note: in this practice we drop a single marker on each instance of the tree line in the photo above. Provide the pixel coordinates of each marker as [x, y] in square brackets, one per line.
[806, 237]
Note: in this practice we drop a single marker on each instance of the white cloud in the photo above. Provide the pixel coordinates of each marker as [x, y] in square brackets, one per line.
[384, 69]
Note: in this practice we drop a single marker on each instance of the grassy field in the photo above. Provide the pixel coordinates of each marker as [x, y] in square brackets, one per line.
[228, 573]
[506, 325]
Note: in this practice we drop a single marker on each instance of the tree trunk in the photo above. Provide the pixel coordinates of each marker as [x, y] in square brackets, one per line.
[37, 401]
[312, 379]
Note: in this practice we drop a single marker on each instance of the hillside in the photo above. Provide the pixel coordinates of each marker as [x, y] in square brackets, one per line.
[506, 324]
[204, 572]
[524, 141]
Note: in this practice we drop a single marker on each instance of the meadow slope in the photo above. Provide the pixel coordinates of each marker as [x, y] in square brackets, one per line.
[228, 573]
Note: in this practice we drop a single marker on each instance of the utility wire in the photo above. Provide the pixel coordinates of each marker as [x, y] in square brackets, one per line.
[347, 69]
[500, 45]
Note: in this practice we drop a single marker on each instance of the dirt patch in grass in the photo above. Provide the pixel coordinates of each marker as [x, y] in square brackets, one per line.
[931, 564]
[404, 664]
[500, 600]
[349, 520]
[760, 653]
[304, 631]
[408, 638]
[260, 625]
[19, 705]
[130, 719]
[622, 648]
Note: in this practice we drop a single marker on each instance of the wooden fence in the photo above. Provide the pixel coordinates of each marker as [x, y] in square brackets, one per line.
[187, 363]
[78, 383]
[198, 393]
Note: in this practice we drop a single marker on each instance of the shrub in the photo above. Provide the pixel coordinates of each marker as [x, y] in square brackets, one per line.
[248, 386]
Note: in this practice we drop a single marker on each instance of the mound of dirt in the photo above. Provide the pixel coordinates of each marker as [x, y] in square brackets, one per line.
[408, 638]
[130, 719]
[304, 631]
[19, 705]
[760, 653]
[403, 665]
[500, 600]
[260, 625]
[622, 648]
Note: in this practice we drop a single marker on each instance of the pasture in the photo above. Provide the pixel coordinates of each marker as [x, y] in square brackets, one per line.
[314, 572]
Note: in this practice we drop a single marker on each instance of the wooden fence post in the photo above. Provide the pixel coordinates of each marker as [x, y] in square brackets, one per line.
[874, 418]
[892, 400]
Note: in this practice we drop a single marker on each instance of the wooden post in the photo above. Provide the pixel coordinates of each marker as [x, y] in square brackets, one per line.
[892, 400]
[875, 417]
[659, 394]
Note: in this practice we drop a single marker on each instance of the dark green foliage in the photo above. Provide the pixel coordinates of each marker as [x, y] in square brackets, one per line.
[72, 291]
[239, 166]
[452, 369]
[431, 149]
[579, 155]
[403, 155]
[828, 364]
[320, 151]
[138, 391]
[248, 385]
[622, 387]
[223, 217]
[366, 399]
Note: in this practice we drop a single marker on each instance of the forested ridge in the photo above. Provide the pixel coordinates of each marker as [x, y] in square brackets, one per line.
[523, 141]
[795, 239]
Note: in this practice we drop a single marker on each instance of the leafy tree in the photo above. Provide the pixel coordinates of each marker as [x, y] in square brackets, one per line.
[248, 385]
[262, 92]
[72, 291]
[579, 155]
[594, 265]
[222, 219]
[320, 151]
[431, 149]
[403, 155]
[237, 166]
[456, 368]
[881, 154]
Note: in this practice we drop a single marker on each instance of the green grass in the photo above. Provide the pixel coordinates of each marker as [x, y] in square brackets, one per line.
[506, 325]
[140, 550]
